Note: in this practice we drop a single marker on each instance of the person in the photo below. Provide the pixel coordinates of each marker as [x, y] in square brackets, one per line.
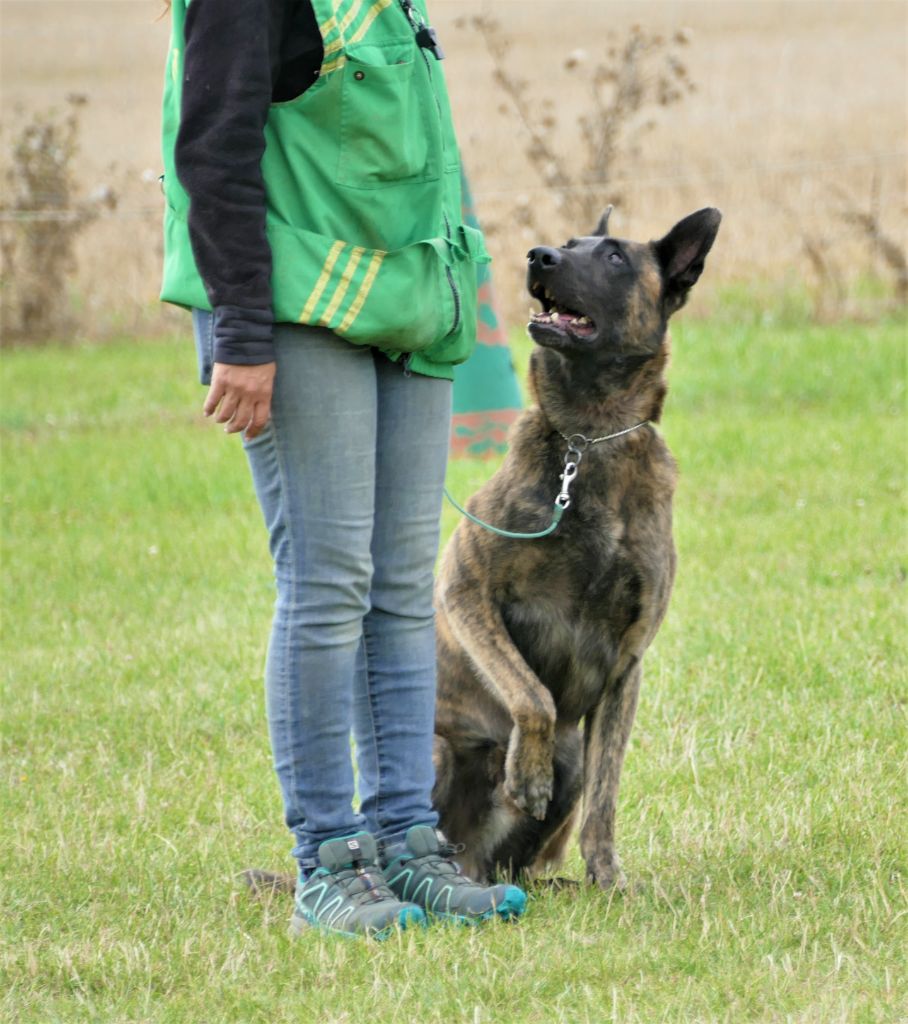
[313, 225]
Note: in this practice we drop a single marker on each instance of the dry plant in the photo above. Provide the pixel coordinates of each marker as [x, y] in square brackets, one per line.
[639, 73]
[884, 249]
[830, 292]
[830, 253]
[41, 217]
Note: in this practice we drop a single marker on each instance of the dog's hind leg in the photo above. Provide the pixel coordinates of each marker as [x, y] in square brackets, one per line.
[468, 796]
[605, 742]
[551, 856]
[443, 762]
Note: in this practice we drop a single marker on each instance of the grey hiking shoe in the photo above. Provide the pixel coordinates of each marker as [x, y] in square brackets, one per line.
[348, 894]
[424, 873]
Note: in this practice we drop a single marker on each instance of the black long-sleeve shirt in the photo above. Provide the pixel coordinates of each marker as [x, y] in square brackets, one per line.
[240, 56]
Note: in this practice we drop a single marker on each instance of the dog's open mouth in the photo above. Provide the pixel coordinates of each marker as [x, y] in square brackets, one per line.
[558, 317]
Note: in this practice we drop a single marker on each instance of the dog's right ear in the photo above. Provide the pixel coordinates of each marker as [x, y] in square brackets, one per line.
[601, 229]
[683, 251]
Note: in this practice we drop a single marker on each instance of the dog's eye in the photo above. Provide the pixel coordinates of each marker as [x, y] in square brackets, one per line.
[615, 257]
[570, 243]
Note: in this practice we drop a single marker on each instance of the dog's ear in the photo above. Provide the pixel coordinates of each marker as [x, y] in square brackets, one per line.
[601, 229]
[683, 251]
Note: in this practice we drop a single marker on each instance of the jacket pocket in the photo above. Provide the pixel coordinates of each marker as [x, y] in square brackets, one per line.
[385, 130]
[404, 300]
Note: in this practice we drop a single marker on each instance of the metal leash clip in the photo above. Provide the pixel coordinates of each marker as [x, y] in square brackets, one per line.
[563, 500]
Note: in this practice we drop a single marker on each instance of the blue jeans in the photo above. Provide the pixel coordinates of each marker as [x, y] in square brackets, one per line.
[349, 475]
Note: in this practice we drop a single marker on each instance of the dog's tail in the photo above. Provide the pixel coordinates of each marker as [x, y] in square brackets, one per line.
[264, 884]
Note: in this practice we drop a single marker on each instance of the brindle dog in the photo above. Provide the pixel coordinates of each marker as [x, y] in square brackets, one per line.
[537, 636]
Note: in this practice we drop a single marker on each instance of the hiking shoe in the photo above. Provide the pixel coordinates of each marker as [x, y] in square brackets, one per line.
[348, 894]
[424, 873]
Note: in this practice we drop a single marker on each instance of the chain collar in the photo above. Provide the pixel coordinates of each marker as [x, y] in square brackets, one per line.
[576, 440]
[580, 442]
[577, 444]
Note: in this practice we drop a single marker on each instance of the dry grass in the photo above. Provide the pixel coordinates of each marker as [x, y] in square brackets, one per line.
[798, 104]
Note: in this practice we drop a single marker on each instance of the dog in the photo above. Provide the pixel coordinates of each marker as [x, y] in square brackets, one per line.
[541, 642]
[535, 637]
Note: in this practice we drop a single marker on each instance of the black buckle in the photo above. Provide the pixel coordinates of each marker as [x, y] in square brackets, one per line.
[426, 36]
[427, 39]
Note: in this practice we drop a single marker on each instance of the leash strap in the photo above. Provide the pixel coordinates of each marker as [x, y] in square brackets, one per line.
[557, 513]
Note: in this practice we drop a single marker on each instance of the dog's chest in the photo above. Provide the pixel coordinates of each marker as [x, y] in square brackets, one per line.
[568, 622]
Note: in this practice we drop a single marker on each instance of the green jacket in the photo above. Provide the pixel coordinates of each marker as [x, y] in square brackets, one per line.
[363, 200]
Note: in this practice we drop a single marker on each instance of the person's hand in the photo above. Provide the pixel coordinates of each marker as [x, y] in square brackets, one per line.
[240, 397]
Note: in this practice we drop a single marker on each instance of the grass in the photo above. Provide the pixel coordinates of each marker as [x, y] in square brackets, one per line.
[763, 809]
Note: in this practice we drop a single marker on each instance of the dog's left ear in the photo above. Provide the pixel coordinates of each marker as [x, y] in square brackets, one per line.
[601, 229]
[683, 251]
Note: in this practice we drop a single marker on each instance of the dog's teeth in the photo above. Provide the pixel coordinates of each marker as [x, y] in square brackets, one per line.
[582, 320]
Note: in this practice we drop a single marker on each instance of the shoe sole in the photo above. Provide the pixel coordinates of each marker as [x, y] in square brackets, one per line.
[407, 918]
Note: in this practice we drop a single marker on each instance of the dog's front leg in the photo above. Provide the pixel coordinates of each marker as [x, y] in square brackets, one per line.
[478, 627]
[605, 742]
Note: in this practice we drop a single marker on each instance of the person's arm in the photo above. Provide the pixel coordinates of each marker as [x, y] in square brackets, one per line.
[228, 61]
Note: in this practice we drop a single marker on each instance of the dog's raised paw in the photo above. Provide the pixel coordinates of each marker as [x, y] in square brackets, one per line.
[532, 794]
[529, 775]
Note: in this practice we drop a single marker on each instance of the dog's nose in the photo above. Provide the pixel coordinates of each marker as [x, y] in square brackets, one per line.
[543, 257]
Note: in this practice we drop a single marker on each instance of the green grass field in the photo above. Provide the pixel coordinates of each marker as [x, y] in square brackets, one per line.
[763, 809]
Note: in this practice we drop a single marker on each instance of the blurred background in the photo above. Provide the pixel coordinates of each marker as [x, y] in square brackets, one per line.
[790, 116]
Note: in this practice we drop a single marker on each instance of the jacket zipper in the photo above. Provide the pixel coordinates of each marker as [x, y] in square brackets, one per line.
[451, 284]
[456, 295]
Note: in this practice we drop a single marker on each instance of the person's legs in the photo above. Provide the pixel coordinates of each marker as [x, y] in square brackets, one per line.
[314, 471]
[395, 689]
[348, 644]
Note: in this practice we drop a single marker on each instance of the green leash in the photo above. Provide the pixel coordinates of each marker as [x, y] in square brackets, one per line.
[577, 445]
[557, 513]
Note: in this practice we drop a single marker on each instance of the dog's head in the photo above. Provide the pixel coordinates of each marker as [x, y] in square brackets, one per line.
[602, 295]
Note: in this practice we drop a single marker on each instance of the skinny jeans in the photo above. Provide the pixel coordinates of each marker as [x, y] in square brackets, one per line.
[349, 475]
